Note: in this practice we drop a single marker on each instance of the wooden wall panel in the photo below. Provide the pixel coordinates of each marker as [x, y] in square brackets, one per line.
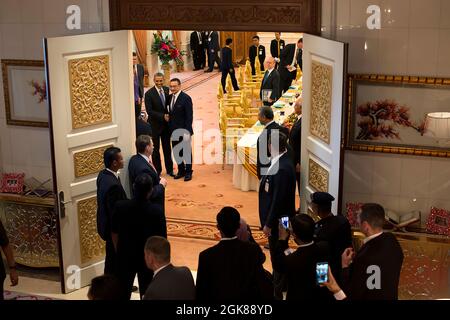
[230, 15]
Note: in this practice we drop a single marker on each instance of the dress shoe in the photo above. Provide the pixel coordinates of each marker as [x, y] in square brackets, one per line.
[207, 71]
[179, 175]
[188, 177]
[171, 174]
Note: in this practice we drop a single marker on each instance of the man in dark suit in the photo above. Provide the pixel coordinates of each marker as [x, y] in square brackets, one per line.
[213, 50]
[295, 139]
[277, 198]
[300, 266]
[266, 116]
[142, 163]
[156, 100]
[270, 83]
[230, 270]
[276, 46]
[205, 48]
[228, 66]
[142, 125]
[138, 80]
[331, 229]
[374, 272]
[256, 50]
[196, 45]
[169, 282]
[134, 221]
[109, 192]
[180, 124]
[290, 57]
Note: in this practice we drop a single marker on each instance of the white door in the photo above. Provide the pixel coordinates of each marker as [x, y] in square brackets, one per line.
[92, 108]
[324, 69]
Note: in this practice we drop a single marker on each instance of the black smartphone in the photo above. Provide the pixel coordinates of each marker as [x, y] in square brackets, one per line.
[321, 272]
[285, 222]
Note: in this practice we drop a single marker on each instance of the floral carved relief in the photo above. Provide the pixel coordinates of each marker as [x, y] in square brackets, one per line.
[321, 95]
[318, 176]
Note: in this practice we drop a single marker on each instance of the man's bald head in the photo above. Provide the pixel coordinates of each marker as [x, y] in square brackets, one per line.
[269, 63]
[298, 106]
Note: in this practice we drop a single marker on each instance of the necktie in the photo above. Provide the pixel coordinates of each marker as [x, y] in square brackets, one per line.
[266, 75]
[172, 103]
[151, 164]
[162, 96]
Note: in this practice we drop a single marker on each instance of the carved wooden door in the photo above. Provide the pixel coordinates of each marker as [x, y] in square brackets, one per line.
[324, 70]
[91, 108]
[241, 43]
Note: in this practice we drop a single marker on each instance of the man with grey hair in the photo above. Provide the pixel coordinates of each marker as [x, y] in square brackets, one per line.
[372, 273]
[156, 100]
[270, 85]
[169, 282]
[266, 117]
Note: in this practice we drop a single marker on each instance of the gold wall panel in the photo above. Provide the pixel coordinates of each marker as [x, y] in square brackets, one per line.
[318, 176]
[92, 247]
[321, 95]
[89, 161]
[90, 91]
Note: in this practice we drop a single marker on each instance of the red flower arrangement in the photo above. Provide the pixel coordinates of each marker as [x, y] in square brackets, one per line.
[39, 90]
[166, 50]
[379, 119]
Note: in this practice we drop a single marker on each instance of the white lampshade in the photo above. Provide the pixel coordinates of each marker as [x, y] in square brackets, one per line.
[438, 125]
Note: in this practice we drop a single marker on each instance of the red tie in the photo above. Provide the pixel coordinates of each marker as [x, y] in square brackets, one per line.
[151, 164]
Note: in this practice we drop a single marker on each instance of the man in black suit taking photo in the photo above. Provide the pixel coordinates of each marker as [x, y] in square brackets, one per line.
[156, 100]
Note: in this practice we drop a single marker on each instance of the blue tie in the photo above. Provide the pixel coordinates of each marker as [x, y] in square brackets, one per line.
[265, 77]
[163, 98]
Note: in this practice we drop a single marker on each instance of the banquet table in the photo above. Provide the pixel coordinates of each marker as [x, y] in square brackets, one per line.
[244, 168]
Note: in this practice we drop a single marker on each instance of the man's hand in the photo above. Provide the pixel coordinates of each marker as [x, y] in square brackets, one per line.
[166, 117]
[163, 182]
[331, 284]
[283, 234]
[267, 231]
[13, 277]
[270, 100]
[347, 257]
[297, 167]
[144, 116]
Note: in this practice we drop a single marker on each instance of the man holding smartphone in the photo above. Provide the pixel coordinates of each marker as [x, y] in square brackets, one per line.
[300, 266]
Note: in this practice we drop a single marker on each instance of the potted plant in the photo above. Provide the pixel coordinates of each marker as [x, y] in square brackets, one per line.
[167, 52]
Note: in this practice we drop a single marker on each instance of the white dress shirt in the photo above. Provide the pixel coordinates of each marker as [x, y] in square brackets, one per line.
[228, 239]
[174, 100]
[145, 157]
[372, 237]
[156, 271]
[116, 174]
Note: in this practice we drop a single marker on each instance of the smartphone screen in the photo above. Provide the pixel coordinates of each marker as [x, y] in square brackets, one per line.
[285, 222]
[322, 272]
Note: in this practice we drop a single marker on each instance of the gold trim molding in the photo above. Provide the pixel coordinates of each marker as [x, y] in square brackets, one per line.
[92, 247]
[89, 161]
[90, 91]
[321, 96]
[318, 176]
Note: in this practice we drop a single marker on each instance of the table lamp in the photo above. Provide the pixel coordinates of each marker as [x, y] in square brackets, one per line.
[438, 127]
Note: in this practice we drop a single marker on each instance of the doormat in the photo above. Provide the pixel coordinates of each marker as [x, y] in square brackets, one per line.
[12, 295]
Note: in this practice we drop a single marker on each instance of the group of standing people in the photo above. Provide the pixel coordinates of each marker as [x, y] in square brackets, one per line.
[205, 44]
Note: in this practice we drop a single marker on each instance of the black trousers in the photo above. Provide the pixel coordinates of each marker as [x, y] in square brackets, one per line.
[111, 258]
[126, 276]
[297, 177]
[279, 279]
[233, 79]
[252, 63]
[213, 57]
[183, 158]
[286, 81]
[163, 139]
[198, 56]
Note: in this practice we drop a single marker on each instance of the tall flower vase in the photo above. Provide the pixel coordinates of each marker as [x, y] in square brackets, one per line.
[166, 69]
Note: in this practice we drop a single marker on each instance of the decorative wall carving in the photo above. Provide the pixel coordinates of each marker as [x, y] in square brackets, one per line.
[228, 15]
[32, 233]
[318, 176]
[89, 161]
[90, 91]
[321, 95]
[92, 247]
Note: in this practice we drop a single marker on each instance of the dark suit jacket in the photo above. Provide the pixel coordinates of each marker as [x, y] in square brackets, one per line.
[140, 73]
[383, 251]
[109, 191]
[181, 116]
[277, 194]
[171, 283]
[156, 109]
[227, 59]
[300, 270]
[134, 222]
[286, 57]
[214, 43]
[295, 141]
[271, 83]
[266, 134]
[195, 42]
[143, 128]
[336, 231]
[252, 53]
[274, 47]
[230, 271]
[139, 165]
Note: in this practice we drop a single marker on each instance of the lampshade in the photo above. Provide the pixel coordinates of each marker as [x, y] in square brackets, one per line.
[438, 125]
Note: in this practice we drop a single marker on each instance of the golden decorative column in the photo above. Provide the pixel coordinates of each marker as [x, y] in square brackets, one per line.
[166, 69]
